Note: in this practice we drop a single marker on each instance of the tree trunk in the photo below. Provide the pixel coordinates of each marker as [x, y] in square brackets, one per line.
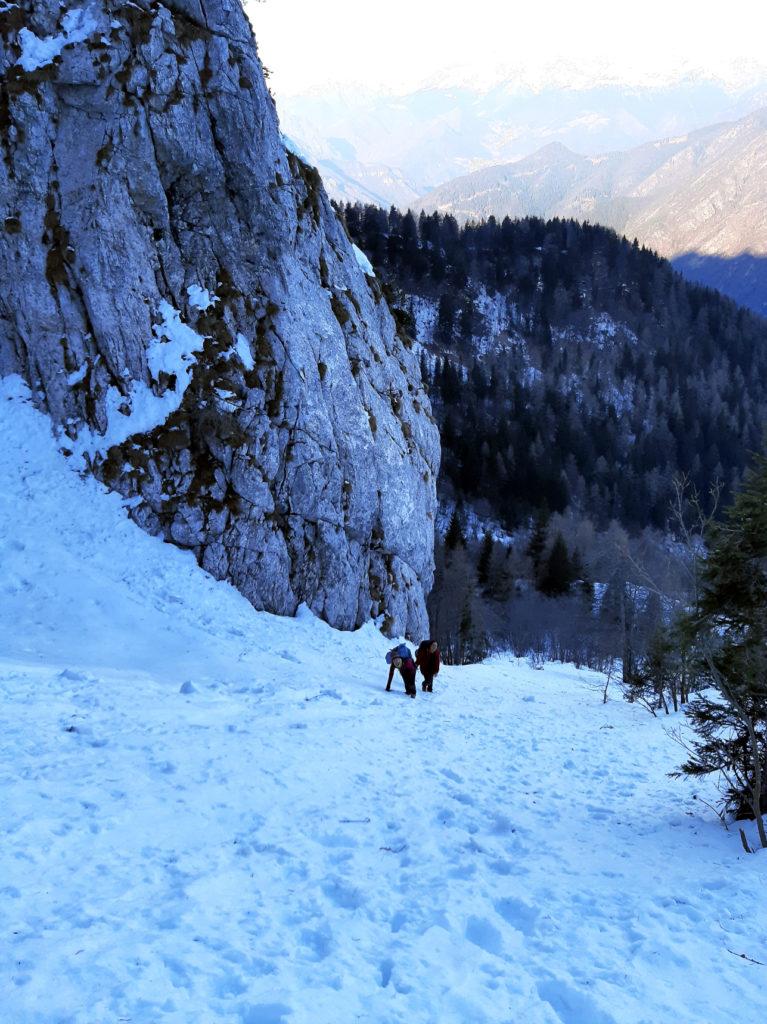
[756, 786]
[674, 695]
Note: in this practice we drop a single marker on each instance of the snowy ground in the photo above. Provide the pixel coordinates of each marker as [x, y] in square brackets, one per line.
[210, 815]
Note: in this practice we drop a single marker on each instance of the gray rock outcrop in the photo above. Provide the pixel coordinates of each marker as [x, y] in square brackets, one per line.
[181, 297]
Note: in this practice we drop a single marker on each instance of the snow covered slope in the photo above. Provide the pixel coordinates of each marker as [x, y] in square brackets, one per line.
[211, 815]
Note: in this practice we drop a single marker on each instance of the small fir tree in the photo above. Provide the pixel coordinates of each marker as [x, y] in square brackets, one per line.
[537, 543]
[557, 572]
[454, 537]
[485, 560]
[729, 631]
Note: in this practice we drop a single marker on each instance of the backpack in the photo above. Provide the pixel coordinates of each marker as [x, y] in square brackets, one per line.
[401, 651]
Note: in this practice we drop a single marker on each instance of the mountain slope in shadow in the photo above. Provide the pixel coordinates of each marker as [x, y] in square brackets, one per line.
[742, 277]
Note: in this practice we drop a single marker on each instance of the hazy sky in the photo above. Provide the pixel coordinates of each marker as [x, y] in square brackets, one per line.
[398, 43]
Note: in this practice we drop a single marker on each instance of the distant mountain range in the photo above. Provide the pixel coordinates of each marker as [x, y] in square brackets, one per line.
[699, 198]
[387, 148]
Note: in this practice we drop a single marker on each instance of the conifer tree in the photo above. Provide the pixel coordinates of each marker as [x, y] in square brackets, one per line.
[729, 630]
[485, 559]
[557, 573]
[454, 537]
[537, 543]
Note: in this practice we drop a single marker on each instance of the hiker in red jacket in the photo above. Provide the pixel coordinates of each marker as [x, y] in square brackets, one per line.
[427, 659]
[406, 667]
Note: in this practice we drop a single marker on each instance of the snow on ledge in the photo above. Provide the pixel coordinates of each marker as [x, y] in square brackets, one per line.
[292, 147]
[77, 25]
[364, 263]
[172, 351]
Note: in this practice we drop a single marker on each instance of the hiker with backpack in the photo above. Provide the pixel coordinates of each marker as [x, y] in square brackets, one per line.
[427, 659]
[401, 659]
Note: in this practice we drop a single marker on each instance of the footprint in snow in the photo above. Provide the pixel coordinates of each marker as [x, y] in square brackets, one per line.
[387, 966]
[463, 872]
[484, 934]
[464, 798]
[265, 1013]
[229, 984]
[318, 942]
[518, 914]
[71, 676]
[398, 921]
[571, 1005]
[500, 825]
[345, 896]
[502, 867]
[287, 656]
[598, 813]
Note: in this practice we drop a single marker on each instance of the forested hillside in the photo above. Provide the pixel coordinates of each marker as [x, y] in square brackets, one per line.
[697, 198]
[570, 368]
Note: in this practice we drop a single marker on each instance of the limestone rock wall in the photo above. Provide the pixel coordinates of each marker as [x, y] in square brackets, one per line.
[181, 297]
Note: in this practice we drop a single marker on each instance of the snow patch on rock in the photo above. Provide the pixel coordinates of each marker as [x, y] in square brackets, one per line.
[200, 298]
[76, 25]
[363, 262]
[172, 352]
[243, 350]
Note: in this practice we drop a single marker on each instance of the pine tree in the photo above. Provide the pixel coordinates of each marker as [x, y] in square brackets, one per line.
[485, 560]
[729, 631]
[454, 537]
[557, 572]
[443, 332]
[465, 633]
[537, 543]
[580, 575]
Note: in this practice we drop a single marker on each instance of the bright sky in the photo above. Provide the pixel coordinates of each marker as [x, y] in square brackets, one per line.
[307, 44]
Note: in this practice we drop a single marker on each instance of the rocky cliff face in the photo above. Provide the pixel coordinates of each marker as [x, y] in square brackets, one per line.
[182, 299]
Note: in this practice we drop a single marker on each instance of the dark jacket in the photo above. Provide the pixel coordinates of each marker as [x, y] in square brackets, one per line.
[427, 661]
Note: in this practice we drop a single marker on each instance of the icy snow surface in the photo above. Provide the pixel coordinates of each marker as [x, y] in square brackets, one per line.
[216, 816]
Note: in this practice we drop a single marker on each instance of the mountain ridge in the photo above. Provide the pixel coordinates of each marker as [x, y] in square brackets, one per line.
[432, 134]
[700, 194]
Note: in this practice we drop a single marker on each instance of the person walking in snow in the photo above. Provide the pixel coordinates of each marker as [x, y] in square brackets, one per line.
[427, 659]
[403, 662]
